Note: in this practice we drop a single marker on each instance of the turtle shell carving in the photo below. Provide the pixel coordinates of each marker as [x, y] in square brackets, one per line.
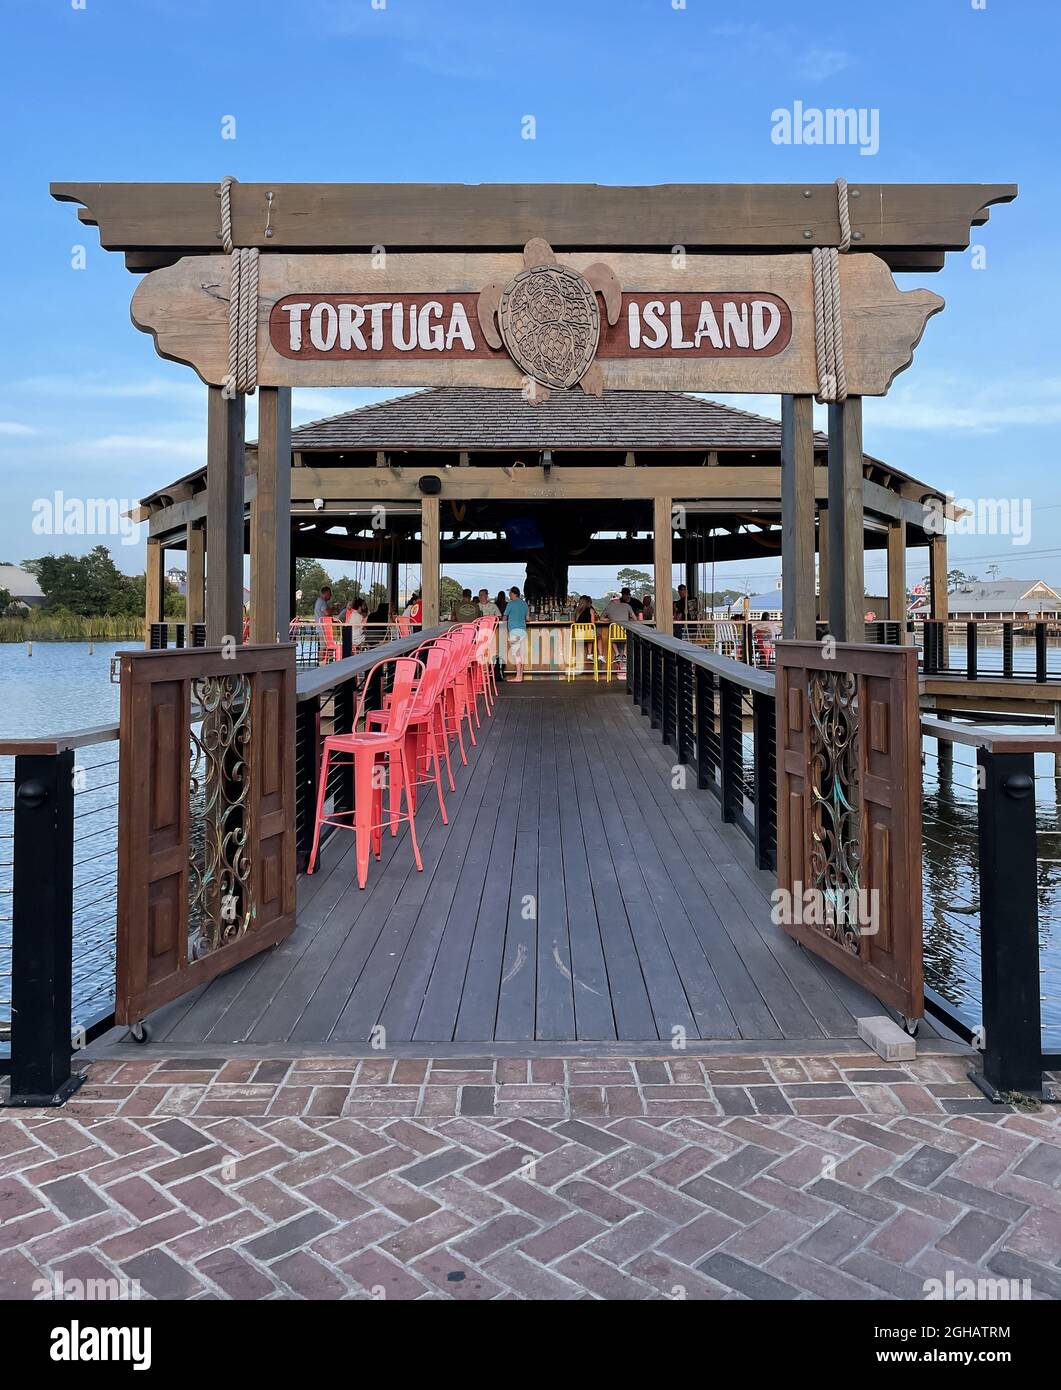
[548, 318]
[550, 324]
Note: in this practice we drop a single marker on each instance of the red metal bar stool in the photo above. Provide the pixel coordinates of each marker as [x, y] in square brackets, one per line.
[482, 670]
[459, 703]
[373, 752]
[425, 736]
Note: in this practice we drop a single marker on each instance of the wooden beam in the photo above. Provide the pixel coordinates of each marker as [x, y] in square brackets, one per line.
[897, 575]
[937, 575]
[163, 217]
[154, 587]
[224, 517]
[663, 563]
[847, 584]
[797, 518]
[745, 483]
[196, 567]
[429, 560]
[270, 514]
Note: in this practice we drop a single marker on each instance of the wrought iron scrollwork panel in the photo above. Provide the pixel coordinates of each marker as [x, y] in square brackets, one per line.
[220, 907]
[836, 840]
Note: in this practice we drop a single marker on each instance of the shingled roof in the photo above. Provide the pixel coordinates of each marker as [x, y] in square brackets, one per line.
[483, 418]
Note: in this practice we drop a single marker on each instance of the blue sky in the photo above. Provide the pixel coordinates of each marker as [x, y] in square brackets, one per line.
[636, 91]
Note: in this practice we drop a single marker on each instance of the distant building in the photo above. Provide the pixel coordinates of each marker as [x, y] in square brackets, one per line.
[768, 603]
[22, 586]
[1005, 598]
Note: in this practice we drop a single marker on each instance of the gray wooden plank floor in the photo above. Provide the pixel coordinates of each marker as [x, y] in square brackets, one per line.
[575, 896]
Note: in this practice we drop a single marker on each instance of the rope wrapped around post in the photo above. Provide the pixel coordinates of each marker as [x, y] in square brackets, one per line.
[242, 301]
[828, 322]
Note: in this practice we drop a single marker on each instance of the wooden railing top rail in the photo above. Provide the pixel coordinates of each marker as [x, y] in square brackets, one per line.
[58, 743]
[750, 677]
[993, 742]
[316, 682]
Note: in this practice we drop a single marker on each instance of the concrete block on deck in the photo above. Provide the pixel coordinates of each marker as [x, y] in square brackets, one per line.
[887, 1039]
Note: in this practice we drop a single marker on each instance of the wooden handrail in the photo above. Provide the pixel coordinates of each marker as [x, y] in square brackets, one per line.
[748, 677]
[313, 683]
[994, 742]
[58, 743]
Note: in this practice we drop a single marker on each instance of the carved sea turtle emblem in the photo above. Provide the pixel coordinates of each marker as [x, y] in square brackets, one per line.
[548, 320]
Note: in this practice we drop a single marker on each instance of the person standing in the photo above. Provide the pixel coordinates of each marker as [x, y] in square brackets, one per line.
[516, 614]
[466, 610]
[491, 610]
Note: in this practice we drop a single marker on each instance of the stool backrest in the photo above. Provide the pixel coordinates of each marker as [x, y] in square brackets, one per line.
[617, 633]
[434, 678]
[405, 672]
[583, 632]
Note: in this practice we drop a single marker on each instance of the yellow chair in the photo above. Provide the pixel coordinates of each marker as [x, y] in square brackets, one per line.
[581, 632]
[616, 633]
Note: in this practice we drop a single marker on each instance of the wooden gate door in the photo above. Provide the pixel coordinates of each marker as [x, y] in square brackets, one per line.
[849, 812]
[206, 820]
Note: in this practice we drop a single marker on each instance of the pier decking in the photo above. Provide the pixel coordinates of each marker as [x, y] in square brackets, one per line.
[576, 897]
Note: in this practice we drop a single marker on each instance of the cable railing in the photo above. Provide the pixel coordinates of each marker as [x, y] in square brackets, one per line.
[718, 713]
[981, 649]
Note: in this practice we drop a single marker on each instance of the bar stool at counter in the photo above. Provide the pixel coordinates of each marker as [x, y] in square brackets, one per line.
[582, 632]
[616, 637]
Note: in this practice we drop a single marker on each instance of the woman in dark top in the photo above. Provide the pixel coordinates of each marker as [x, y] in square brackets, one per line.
[586, 613]
[501, 601]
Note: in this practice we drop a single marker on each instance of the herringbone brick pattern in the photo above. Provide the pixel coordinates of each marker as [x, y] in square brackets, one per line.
[492, 1206]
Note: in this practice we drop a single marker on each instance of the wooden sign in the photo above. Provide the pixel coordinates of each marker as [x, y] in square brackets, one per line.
[702, 323]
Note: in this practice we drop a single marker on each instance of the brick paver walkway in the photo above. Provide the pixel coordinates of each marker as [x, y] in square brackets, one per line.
[714, 1178]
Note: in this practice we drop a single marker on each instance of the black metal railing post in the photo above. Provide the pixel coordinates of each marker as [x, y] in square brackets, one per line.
[970, 650]
[307, 773]
[668, 676]
[633, 648]
[344, 706]
[764, 736]
[42, 930]
[705, 729]
[730, 747]
[644, 699]
[655, 696]
[1007, 649]
[1040, 651]
[1009, 921]
[686, 733]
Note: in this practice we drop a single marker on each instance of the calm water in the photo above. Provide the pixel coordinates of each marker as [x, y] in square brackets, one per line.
[62, 687]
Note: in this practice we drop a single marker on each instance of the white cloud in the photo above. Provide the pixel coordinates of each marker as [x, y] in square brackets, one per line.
[150, 444]
[13, 427]
[97, 386]
[957, 403]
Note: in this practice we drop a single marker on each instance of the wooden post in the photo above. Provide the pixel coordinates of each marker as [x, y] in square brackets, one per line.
[154, 583]
[196, 567]
[797, 518]
[429, 560]
[937, 575]
[847, 581]
[663, 564]
[224, 516]
[392, 588]
[271, 518]
[823, 564]
[897, 576]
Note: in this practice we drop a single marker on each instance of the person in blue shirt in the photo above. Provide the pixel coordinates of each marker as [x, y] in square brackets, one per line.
[516, 617]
